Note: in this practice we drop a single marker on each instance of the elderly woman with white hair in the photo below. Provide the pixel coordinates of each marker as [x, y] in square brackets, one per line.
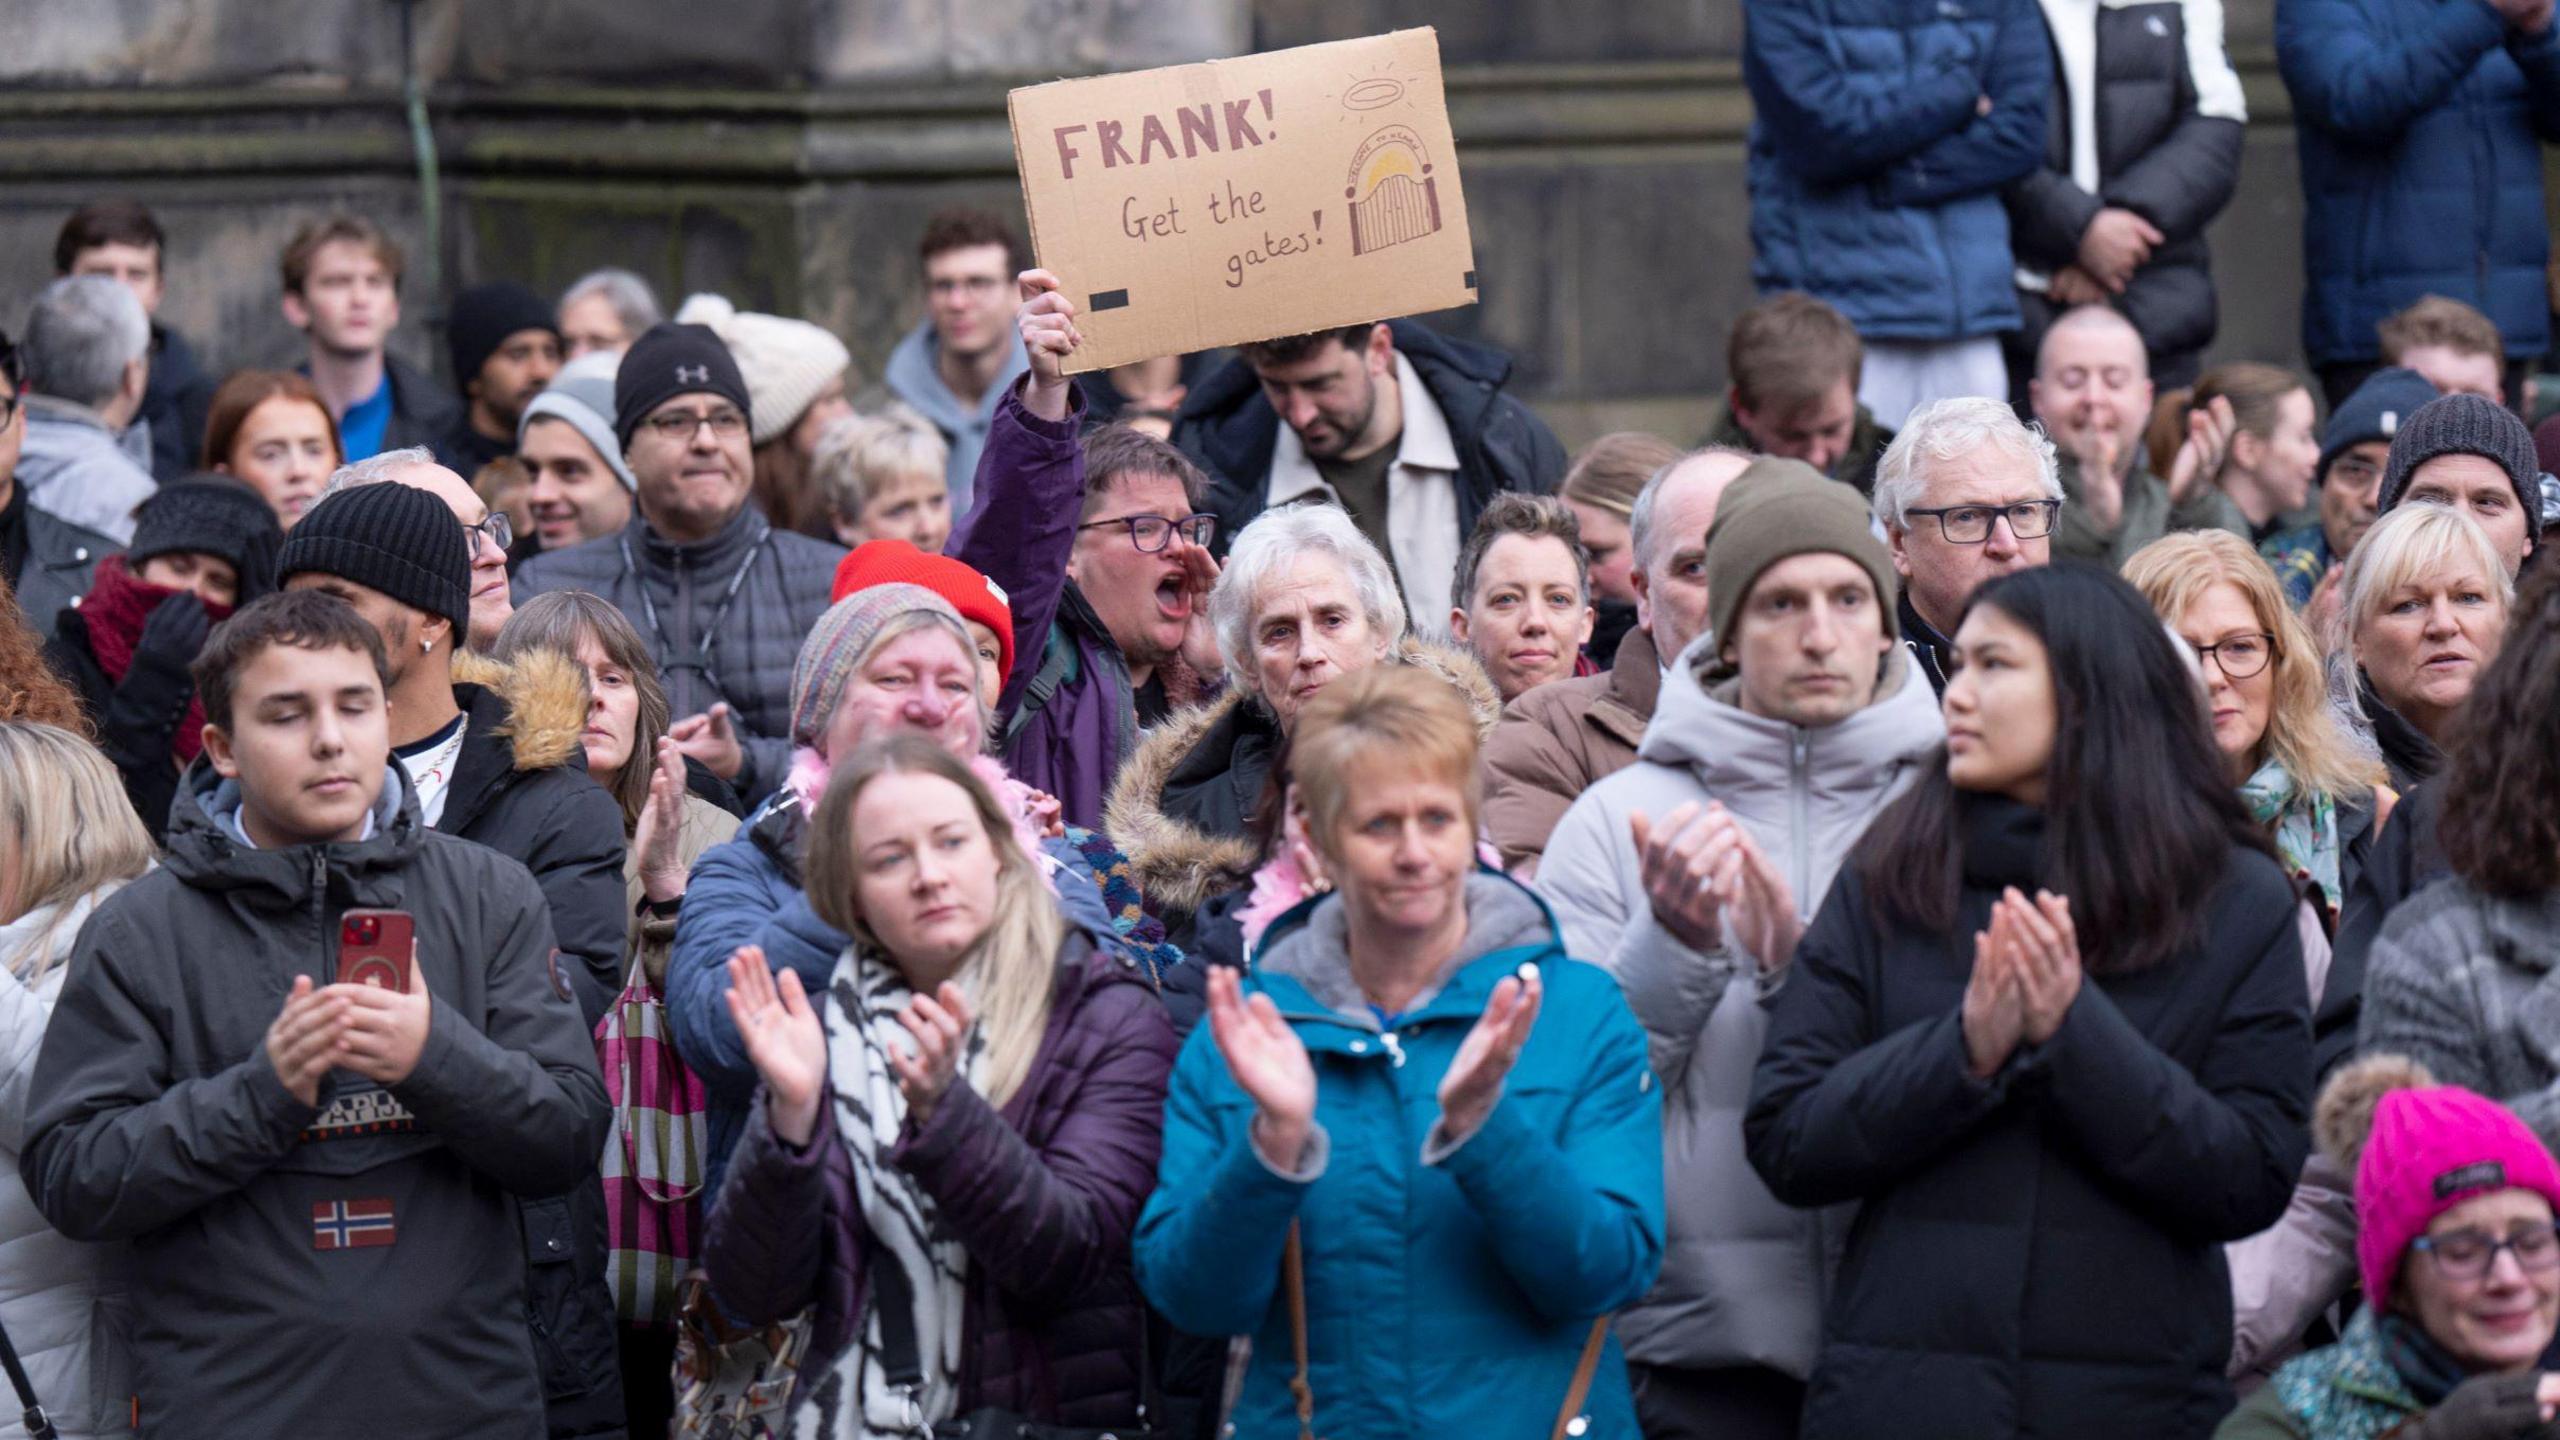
[1966, 493]
[2422, 611]
[1304, 600]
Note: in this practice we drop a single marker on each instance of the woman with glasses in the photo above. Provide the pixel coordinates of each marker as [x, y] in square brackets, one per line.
[2321, 799]
[2049, 1030]
[2461, 1267]
[2423, 610]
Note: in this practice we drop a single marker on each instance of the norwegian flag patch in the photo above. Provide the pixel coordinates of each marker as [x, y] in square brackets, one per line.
[353, 1225]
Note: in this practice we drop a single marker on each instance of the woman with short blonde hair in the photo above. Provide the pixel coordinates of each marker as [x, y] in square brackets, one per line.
[2422, 612]
[1422, 979]
[884, 476]
[68, 840]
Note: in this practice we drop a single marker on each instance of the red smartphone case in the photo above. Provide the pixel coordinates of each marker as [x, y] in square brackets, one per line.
[377, 947]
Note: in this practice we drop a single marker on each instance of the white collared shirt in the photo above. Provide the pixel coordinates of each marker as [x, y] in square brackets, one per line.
[1422, 501]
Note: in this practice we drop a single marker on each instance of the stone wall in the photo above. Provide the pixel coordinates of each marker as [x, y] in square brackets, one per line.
[787, 151]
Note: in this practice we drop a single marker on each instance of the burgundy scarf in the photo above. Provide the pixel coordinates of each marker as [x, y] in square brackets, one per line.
[114, 610]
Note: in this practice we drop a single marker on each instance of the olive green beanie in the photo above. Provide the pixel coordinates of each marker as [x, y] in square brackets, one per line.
[1775, 510]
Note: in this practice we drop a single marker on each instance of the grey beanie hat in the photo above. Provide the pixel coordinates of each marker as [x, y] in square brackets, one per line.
[582, 395]
[2465, 425]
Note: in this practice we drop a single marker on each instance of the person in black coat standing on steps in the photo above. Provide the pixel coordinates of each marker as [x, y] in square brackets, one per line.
[2050, 1030]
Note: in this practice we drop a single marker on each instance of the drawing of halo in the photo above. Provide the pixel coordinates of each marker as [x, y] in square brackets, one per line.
[1373, 94]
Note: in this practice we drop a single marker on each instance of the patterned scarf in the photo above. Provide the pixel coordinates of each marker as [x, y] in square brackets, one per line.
[113, 611]
[2305, 827]
[854, 1400]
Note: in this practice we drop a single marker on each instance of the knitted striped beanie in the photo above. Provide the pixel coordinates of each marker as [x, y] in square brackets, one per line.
[845, 634]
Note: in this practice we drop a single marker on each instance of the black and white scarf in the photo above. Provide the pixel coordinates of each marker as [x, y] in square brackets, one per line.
[854, 1400]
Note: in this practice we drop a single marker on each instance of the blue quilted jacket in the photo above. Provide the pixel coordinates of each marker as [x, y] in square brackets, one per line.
[1875, 179]
[2420, 125]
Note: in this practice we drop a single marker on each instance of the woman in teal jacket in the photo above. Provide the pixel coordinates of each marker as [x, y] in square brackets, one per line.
[1453, 1120]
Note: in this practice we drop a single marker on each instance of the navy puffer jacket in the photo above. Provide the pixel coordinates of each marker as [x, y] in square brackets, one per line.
[1875, 179]
[2420, 124]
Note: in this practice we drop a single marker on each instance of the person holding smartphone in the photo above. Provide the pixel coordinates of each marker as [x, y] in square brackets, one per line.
[311, 1173]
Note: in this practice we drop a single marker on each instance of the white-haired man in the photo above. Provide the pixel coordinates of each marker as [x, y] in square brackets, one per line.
[1966, 492]
[88, 358]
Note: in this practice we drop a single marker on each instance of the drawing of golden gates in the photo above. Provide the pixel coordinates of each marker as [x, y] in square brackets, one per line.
[1393, 196]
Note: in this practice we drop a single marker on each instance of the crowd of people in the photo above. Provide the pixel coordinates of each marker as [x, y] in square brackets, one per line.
[2002, 885]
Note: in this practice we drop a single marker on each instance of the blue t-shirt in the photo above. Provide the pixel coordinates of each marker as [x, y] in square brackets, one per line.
[360, 430]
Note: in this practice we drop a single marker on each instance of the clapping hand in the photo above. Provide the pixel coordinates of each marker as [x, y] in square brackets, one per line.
[1686, 864]
[1268, 1062]
[659, 837]
[306, 1038]
[2209, 430]
[711, 739]
[1760, 907]
[940, 1023]
[1485, 1058]
[2044, 960]
[784, 1039]
[1994, 1011]
[1047, 323]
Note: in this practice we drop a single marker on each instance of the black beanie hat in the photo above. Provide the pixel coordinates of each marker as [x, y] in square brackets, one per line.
[211, 515]
[2466, 424]
[671, 360]
[389, 537]
[483, 317]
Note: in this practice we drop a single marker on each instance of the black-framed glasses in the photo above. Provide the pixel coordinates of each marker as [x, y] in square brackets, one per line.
[1151, 533]
[2470, 1254]
[2241, 656]
[500, 530]
[679, 425]
[1971, 524]
[2355, 473]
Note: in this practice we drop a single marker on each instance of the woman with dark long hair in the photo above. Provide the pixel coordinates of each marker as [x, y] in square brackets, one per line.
[2050, 1031]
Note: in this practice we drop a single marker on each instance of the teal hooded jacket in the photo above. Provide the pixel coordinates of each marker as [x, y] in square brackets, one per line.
[1448, 1293]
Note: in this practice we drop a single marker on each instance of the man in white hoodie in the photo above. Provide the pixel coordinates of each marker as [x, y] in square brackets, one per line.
[1781, 731]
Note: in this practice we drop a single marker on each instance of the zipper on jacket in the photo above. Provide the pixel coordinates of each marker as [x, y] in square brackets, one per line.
[1800, 816]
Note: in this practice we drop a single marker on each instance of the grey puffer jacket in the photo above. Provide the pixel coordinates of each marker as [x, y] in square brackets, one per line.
[156, 1118]
[2469, 986]
[1742, 1275]
[740, 649]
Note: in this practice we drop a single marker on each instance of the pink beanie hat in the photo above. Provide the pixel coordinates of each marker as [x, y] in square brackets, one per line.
[2429, 1148]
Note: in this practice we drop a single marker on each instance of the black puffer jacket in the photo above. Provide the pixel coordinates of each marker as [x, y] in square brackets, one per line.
[2407, 855]
[2152, 77]
[2041, 1253]
[155, 1118]
[520, 787]
[1231, 429]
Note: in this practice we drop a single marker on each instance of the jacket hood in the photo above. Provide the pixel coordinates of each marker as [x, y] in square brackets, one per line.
[1445, 364]
[1177, 864]
[1311, 946]
[544, 696]
[204, 853]
[913, 374]
[1704, 731]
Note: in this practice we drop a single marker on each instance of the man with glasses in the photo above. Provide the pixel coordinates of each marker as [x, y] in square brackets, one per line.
[47, 560]
[488, 531]
[492, 764]
[2354, 452]
[722, 597]
[957, 364]
[1965, 493]
[1104, 562]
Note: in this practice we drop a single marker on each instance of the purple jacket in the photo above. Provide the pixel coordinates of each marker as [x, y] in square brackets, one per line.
[1043, 1194]
[1020, 533]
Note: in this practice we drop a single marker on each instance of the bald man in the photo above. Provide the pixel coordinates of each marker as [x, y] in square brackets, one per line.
[2092, 392]
[1557, 740]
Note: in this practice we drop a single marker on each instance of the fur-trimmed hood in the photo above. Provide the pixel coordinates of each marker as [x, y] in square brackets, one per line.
[545, 697]
[1180, 863]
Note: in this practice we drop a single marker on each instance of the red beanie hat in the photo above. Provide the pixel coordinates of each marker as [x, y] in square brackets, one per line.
[896, 562]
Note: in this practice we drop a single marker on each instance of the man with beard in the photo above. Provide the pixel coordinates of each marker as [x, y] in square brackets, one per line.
[506, 348]
[1407, 430]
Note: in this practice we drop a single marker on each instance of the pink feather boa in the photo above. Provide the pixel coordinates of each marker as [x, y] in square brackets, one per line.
[1025, 807]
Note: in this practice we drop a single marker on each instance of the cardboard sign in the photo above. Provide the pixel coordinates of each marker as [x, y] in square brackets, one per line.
[1240, 200]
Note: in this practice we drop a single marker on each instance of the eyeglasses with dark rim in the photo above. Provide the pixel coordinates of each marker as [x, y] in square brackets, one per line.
[679, 425]
[2241, 656]
[2470, 1254]
[1151, 533]
[1971, 524]
[500, 530]
[2362, 474]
